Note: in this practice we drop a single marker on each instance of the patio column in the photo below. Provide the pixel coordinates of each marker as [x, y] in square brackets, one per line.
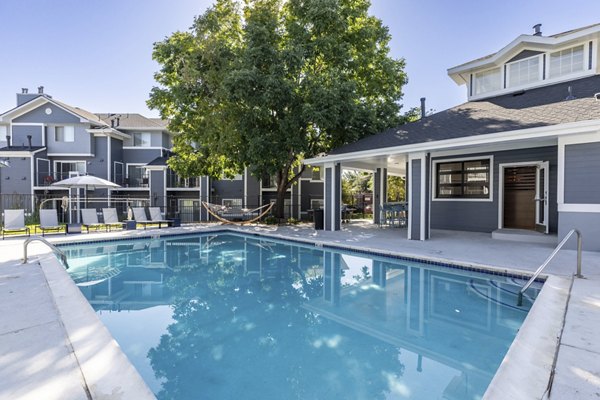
[418, 196]
[333, 196]
[204, 196]
[332, 277]
[158, 183]
[380, 191]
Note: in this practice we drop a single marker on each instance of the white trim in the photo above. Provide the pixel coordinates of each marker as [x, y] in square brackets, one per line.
[477, 140]
[434, 164]
[27, 123]
[71, 155]
[423, 195]
[31, 183]
[586, 208]
[144, 148]
[501, 186]
[108, 159]
[42, 99]
[496, 148]
[142, 128]
[165, 200]
[155, 168]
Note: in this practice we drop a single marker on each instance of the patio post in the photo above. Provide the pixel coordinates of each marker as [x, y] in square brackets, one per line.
[380, 191]
[333, 196]
[204, 196]
[418, 196]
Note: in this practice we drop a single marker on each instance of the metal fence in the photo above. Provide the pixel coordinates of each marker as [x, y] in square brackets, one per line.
[187, 209]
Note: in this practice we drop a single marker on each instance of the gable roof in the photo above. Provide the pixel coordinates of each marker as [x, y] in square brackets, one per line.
[520, 43]
[544, 106]
[133, 121]
[42, 99]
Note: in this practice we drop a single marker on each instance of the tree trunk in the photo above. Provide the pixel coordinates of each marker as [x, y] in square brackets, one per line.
[280, 202]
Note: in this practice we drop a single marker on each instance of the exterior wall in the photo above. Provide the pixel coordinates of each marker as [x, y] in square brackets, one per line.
[20, 132]
[252, 191]
[157, 187]
[97, 166]
[587, 223]
[17, 177]
[482, 216]
[81, 145]
[228, 189]
[582, 173]
[58, 116]
[140, 155]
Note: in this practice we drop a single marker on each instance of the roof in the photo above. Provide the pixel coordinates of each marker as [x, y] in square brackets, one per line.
[158, 162]
[31, 149]
[133, 121]
[538, 107]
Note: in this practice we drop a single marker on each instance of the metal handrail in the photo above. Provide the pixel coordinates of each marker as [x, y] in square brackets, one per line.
[545, 263]
[59, 253]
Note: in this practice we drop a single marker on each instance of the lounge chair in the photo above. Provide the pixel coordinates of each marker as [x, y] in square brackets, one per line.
[139, 214]
[49, 222]
[14, 221]
[110, 218]
[89, 219]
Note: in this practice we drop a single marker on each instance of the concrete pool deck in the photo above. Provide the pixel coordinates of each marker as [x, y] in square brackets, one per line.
[46, 325]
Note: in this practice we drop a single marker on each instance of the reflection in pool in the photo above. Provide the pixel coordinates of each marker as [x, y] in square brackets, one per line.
[226, 316]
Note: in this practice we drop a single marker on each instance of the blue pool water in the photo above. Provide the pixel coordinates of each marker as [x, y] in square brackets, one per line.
[226, 316]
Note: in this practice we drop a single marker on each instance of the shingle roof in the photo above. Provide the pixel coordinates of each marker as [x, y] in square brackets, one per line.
[132, 120]
[543, 106]
[158, 161]
[21, 148]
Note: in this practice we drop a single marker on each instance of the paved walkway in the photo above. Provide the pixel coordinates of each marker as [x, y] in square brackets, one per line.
[36, 348]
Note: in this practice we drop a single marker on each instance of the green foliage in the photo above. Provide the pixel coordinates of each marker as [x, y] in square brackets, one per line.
[271, 220]
[354, 182]
[292, 221]
[396, 188]
[269, 83]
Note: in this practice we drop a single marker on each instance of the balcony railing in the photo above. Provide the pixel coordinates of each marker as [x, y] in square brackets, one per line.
[174, 181]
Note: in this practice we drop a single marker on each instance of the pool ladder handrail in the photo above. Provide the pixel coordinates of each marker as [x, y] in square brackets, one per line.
[545, 263]
[58, 252]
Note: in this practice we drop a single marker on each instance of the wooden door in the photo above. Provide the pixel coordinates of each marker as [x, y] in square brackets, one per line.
[520, 197]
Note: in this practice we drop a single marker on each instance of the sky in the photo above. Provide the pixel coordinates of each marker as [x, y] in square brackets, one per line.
[97, 54]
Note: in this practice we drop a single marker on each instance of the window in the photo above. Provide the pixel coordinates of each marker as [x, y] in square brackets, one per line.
[524, 71]
[142, 139]
[316, 204]
[469, 179]
[488, 81]
[64, 133]
[67, 169]
[566, 61]
[317, 174]
[136, 176]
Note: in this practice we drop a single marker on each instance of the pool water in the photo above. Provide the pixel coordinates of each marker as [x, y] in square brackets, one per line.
[228, 316]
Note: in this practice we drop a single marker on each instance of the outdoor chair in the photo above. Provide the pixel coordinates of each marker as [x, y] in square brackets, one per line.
[111, 219]
[89, 219]
[49, 222]
[139, 214]
[156, 216]
[14, 221]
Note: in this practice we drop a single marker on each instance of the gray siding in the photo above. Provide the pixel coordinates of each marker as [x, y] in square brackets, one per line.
[18, 174]
[140, 155]
[20, 132]
[328, 199]
[587, 223]
[81, 145]
[253, 192]
[582, 173]
[58, 116]
[157, 188]
[228, 189]
[98, 165]
[483, 216]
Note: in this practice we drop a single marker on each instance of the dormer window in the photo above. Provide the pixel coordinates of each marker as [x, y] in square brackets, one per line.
[566, 61]
[524, 71]
[487, 81]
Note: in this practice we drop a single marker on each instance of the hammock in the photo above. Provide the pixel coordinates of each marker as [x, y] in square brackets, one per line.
[219, 212]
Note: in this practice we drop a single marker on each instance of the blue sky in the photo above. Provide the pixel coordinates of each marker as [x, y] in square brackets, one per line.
[97, 54]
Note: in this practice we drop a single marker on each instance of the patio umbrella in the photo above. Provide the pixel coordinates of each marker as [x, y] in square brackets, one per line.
[85, 182]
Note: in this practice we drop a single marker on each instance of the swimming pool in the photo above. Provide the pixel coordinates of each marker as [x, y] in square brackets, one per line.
[222, 316]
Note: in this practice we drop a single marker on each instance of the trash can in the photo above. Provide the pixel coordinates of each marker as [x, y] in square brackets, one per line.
[318, 217]
[175, 222]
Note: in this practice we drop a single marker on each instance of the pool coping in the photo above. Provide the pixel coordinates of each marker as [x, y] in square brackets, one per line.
[525, 371]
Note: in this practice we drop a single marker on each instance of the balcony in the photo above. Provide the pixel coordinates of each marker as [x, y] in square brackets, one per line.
[176, 182]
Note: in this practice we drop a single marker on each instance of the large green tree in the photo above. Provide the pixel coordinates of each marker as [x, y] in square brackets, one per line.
[266, 84]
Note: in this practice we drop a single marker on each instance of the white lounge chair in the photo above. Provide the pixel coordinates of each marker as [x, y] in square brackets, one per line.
[89, 219]
[139, 214]
[110, 218]
[14, 221]
[49, 222]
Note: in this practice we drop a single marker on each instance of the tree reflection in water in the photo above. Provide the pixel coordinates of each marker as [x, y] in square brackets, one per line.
[244, 335]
